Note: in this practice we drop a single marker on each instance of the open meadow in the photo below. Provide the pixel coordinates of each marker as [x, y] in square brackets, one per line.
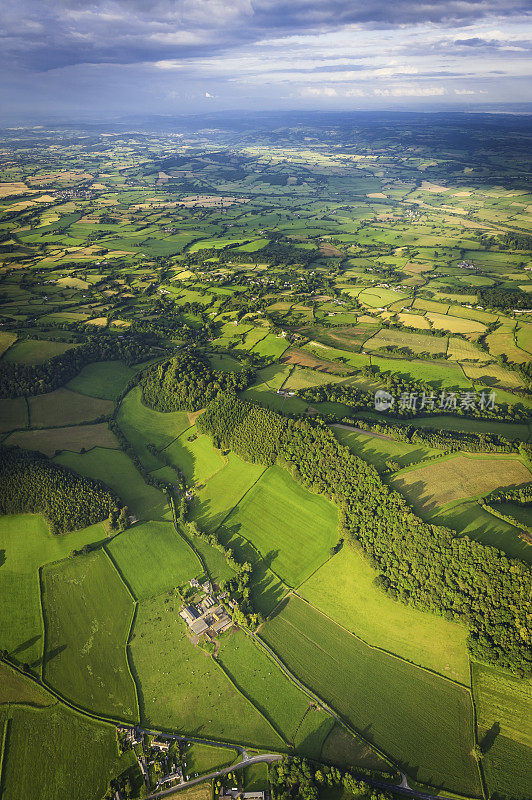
[88, 613]
[405, 711]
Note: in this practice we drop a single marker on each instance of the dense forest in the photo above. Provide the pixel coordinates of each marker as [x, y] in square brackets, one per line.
[18, 379]
[187, 381]
[420, 564]
[31, 483]
[502, 298]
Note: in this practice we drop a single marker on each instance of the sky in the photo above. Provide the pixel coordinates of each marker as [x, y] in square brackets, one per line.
[109, 58]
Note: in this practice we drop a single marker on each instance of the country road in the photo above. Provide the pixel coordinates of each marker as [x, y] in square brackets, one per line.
[267, 758]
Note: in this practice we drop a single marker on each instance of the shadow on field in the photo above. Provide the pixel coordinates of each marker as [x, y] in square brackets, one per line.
[488, 739]
[2, 557]
[25, 645]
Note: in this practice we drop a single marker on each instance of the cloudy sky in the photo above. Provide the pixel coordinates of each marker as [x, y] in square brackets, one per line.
[113, 57]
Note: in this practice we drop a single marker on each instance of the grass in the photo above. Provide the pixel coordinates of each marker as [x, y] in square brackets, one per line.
[116, 469]
[181, 688]
[103, 379]
[493, 375]
[508, 429]
[421, 721]
[441, 375]
[64, 407]
[54, 752]
[261, 680]
[13, 414]
[6, 340]
[341, 748]
[204, 758]
[75, 438]
[88, 612]
[193, 453]
[34, 351]
[256, 778]
[378, 451]
[470, 519]
[344, 589]
[504, 705]
[141, 426]
[458, 477]
[292, 528]
[202, 791]
[153, 558]
[271, 346]
[417, 342]
[444, 322]
[14, 688]
[25, 545]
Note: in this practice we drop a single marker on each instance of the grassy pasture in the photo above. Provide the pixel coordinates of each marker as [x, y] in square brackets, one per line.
[302, 378]
[114, 468]
[6, 340]
[422, 721]
[458, 477]
[493, 374]
[76, 438]
[141, 426]
[341, 748]
[504, 708]
[27, 544]
[34, 351]
[417, 342]
[462, 349]
[201, 791]
[444, 322]
[193, 453]
[55, 753]
[524, 336]
[378, 450]
[442, 375]
[153, 558]
[511, 430]
[271, 346]
[63, 407]
[204, 758]
[88, 613]
[262, 681]
[291, 528]
[343, 589]
[472, 314]
[471, 519]
[502, 342]
[182, 688]
[14, 688]
[103, 379]
[13, 414]
[430, 305]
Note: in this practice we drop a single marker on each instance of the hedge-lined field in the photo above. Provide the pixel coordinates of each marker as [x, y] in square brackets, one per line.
[423, 722]
[88, 613]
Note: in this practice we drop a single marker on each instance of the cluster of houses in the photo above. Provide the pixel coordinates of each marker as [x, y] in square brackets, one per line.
[148, 752]
[207, 616]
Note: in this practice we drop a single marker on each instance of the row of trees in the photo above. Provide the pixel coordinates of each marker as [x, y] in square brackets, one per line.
[293, 778]
[421, 564]
[187, 381]
[31, 483]
[18, 379]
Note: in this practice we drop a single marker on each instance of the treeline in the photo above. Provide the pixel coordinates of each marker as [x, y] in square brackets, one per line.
[504, 299]
[417, 563]
[187, 381]
[445, 440]
[298, 779]
[521, 495]
[415, 399]
[516, 241]
[31, 379]
[31, 483]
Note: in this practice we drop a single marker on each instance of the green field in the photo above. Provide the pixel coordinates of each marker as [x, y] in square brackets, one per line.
[56, 753]
[260, 679]
[76, 438]
[423, 722]
[152, 558]
[16, 688]
[470, 519]
[13, 414]
[32, 351]
[292, 528]
[142, 426]
[64, 407]
[181, 688]
[504, 711]
[114, 468]
[104, 379]
[26, 544]
[378, 450]
[204, 758]
[344, 589]
[88, 613]
[193, 453]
